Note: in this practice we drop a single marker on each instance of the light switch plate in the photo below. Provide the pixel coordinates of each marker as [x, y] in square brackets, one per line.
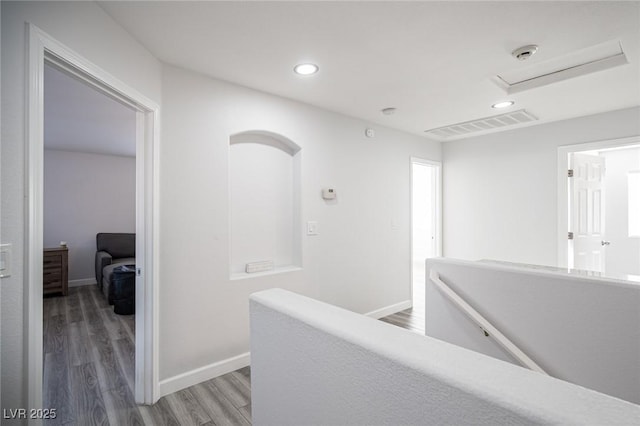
[312, 228]
[5, 260]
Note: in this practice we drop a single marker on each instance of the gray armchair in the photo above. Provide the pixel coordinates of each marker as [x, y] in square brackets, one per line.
[113, 250]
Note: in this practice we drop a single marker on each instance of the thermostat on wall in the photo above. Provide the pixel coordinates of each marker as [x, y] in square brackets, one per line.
[328, 193]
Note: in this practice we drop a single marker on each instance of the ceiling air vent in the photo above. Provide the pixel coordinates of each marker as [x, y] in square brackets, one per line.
[481, 125]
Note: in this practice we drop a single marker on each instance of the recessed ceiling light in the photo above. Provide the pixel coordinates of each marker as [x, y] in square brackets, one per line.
[388, 111]
[306, 69]
[502, 104]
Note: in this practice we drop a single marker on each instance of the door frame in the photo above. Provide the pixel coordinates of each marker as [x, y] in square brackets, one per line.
[44, 48]
[563, 187]
[437, 211]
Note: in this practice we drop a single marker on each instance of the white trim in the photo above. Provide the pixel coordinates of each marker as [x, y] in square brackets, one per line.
[82, 282]
[34, 212]
[438, 211]
[42, 47]
[202, 374]
[562, 221]
[633, 230]
[275, 271]
[390, 310]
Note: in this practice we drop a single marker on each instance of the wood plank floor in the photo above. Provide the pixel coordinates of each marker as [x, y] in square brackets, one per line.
[89, 360]
[411, 319]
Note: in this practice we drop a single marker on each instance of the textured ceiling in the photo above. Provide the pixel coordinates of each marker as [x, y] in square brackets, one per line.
[434, 61]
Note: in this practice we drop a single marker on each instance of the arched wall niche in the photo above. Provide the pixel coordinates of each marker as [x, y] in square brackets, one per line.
[267, 138]
[264, 200]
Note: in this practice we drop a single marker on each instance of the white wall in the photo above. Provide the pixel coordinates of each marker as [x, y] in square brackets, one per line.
[87, 29]
[316, 364]
[261, 186]
[623, 255]
[359, 260]
[85, 194]
[580, 329]
[499, 190]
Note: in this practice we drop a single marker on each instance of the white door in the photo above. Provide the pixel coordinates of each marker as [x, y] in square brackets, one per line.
[425, 234]
[586, 219]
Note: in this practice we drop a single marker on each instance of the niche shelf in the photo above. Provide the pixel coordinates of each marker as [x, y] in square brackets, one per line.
[264, 203]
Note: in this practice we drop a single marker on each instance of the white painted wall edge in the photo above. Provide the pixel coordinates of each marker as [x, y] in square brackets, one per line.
[208, 372]
[202, 374]
[82, 282]
[389, 310]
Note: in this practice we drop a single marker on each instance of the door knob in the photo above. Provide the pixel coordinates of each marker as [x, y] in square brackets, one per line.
[605, 243]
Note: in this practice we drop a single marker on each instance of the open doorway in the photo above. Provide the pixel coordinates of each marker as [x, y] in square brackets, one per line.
[425, 224]
[600, 207]
[45, 51]
[89, 190]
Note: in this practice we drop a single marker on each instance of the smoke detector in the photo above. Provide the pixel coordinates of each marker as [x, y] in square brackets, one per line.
[524, 52]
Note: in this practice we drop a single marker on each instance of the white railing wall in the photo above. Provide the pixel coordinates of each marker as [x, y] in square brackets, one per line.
[580, 329]
[487, 328]
[317, 364]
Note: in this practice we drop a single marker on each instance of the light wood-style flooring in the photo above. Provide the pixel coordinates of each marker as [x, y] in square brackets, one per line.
[89, 369]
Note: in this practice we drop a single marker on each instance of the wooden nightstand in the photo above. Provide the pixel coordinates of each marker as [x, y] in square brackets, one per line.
[55, 270]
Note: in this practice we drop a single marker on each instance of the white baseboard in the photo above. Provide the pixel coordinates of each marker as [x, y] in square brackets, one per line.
[81, 282]
[202, 374]
[391, 309]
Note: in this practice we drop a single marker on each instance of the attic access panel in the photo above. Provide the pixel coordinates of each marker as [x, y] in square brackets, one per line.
[581, 62]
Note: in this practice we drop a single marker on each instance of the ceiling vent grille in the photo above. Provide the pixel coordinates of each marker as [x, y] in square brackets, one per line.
[482, 125]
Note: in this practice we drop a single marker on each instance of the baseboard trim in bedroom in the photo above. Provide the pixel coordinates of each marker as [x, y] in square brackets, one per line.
[390, 310]
[202, 374]
[81, 282]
